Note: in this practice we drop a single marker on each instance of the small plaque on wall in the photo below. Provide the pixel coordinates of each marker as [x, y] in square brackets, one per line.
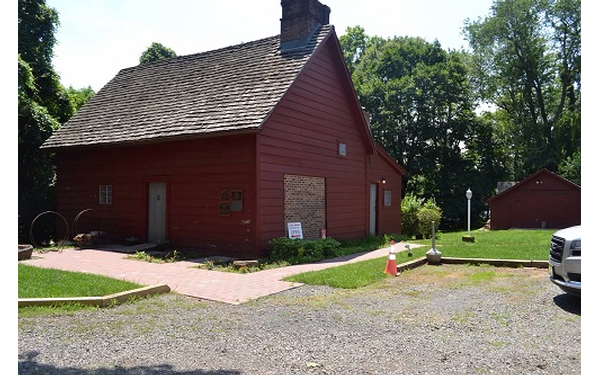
[224, 208]
[224, 196]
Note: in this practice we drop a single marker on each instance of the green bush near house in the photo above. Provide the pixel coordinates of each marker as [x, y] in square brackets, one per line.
[418, 215]
[410, 222]
[296, 251]
[427, 217]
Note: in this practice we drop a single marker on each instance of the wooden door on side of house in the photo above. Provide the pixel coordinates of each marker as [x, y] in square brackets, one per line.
[157, 211]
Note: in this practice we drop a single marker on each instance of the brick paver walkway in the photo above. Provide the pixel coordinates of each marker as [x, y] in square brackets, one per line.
[184, 279]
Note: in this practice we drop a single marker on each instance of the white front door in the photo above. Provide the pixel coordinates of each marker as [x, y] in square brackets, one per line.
[157, 210]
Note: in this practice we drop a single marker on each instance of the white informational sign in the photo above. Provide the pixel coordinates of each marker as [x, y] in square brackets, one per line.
[295, 230]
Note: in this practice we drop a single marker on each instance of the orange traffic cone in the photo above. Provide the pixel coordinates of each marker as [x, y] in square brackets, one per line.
[391, 266]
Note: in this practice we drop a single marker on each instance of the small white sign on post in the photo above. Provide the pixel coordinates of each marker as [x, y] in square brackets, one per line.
[295, 230]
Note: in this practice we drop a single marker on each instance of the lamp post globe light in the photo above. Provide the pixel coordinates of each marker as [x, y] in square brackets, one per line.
[468, 237]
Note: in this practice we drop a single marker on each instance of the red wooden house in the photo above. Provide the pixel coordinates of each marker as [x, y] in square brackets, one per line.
[542, 200]
[221, 150]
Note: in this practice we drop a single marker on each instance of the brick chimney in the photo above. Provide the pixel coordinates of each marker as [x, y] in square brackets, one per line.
[299, 20]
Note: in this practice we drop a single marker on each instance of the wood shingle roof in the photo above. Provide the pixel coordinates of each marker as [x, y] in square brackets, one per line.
[225, 90]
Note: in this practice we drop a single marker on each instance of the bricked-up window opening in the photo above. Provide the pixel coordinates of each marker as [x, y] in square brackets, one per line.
[305, 203]
[105, 194]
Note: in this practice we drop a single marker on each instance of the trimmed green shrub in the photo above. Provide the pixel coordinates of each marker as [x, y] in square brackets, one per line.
[426, 217]
[296, 251]
[417, 215]
[409, 207]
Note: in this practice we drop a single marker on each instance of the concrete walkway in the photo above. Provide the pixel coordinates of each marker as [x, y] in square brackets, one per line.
[183, 278]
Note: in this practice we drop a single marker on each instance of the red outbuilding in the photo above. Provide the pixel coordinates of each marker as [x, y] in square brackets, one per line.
[542, 200]
[221, 150]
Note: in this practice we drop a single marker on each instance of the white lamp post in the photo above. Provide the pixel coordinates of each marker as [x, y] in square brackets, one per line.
[469, 196]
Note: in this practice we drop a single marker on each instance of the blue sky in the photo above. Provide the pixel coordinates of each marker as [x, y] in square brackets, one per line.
[97, 38]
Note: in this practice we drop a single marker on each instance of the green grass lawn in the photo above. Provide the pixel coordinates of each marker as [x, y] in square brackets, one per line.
[35, 282]
[502, 244]
[507, 244]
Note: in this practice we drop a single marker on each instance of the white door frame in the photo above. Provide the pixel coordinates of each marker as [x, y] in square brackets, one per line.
[373, 190]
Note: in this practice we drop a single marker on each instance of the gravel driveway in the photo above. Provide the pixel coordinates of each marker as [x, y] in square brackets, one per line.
[449, 319]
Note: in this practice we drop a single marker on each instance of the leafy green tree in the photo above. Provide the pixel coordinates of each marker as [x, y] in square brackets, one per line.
[526, 60]
[80, 97]
[422, 112]
[35, 169]
[156, 51]
[353, 45]
[37, 25]
[570, 168]
[43, 104]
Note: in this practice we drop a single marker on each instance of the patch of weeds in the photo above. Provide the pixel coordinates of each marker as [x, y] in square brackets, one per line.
[463, 317]
[173, 256]
[141, 255]
[503, 319]
[168, 257]
[412, 293]
[484, 275]
[230, 267]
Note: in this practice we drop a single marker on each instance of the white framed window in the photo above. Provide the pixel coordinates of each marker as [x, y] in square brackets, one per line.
[105, 194]
[342, 149]
[387, 198]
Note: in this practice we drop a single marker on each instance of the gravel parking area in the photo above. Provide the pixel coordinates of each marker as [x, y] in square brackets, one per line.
[449, 319]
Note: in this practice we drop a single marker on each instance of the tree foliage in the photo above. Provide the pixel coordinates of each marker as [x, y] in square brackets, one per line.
[422, 112]
[80, 97]
[39, 104]
[43, 104]
[526, 60]
[155, 52]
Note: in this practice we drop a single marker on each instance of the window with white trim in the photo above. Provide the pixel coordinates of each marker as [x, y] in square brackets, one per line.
[387, 198]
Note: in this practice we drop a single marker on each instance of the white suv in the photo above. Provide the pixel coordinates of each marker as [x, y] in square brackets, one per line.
[565, 260]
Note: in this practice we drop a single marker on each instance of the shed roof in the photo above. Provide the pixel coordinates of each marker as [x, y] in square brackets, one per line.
[225, 90]
[531, 177]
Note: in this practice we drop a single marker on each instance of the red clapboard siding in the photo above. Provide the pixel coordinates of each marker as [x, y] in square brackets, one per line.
[389, 217]
[196, 171]
[543, 199]
[301, 137]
